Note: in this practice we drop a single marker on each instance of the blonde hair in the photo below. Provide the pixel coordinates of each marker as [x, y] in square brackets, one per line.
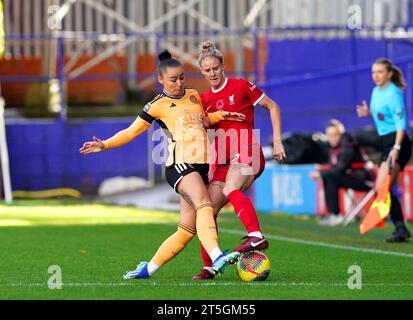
[336, 124]
[208, 49]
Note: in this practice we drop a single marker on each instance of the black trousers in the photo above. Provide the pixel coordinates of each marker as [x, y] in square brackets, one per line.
[333, 182]
[396, 213]
[388, 140]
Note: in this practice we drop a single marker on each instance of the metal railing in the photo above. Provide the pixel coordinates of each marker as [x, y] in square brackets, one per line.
[122, 16]
[64, 74]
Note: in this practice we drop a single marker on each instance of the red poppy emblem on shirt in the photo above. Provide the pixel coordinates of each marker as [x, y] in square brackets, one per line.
[380, 116]
[220, 104]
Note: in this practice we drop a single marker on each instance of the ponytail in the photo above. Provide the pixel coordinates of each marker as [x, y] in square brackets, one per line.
[397, 78]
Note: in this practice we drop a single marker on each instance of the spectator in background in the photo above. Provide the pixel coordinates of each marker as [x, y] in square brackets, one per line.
[347, 170]
[388, 110]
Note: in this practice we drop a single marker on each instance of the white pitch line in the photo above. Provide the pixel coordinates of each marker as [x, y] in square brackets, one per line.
[202, 284]
[325, 244]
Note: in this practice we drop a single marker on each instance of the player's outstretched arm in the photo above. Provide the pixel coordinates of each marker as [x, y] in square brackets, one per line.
[119, 139]
[275, 114]
[215, 117]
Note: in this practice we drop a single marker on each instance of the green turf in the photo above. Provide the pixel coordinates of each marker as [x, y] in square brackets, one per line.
[95, 244]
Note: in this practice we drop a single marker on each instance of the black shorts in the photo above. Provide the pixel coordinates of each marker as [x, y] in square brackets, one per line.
[176, 172]
[388, 141]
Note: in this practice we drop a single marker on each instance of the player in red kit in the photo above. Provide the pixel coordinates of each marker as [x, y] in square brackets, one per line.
[238, 158]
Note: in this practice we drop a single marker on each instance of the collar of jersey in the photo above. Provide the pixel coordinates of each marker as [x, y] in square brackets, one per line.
[387, 87]
[220, 88]
[174, 97]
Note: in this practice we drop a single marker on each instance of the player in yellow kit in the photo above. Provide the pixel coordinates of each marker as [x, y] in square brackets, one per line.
[180, 114]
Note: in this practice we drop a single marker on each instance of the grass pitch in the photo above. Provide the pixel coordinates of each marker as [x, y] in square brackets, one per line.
[95, 244]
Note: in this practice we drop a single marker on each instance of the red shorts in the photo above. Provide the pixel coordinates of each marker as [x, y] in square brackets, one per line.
[218, 172]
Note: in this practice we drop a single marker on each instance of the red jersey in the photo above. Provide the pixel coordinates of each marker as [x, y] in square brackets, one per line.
[235, 95]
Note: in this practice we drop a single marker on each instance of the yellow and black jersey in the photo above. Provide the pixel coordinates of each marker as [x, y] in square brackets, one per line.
[181, 119]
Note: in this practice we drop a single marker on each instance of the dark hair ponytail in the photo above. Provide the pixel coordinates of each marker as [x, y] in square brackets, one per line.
[166, 61]
[397, 75]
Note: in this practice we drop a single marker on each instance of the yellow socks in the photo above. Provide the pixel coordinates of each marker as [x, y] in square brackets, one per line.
[171, 247]
[207, 229]
[207, 233]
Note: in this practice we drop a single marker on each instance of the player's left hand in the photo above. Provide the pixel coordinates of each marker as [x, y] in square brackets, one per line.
[233, 116]
[279, 152]
[92, 146]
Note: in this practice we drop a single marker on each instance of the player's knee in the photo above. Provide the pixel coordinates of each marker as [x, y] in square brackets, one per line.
[201, 199]
[227, 189]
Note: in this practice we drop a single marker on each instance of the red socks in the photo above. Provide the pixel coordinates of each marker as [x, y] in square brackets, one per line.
[244, 210]
[205, 256]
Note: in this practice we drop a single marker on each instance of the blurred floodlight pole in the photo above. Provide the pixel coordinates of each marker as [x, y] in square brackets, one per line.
[55, 56]
[235, 20]
[248, 22]
[4, 156]
[131, 49]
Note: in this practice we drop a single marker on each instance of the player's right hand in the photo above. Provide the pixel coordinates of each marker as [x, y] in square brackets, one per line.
[279, 152]
[233, 116]
[92, 146]
[363, 110]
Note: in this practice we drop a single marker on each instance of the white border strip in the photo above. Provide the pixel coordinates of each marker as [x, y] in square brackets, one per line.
[259, 99]
[221, 87]
[177, 181]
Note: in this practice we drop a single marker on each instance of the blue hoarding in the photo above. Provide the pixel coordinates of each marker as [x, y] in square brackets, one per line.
[286, 188]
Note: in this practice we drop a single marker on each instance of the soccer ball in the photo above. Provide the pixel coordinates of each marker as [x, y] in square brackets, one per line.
[253, 266]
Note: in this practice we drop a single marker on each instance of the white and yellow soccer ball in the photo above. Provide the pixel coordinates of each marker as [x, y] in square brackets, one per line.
[253, 266]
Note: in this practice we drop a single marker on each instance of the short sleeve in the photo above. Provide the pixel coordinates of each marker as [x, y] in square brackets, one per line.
[398, 110]
[149, 112]
[203, 98]
[253, 93]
